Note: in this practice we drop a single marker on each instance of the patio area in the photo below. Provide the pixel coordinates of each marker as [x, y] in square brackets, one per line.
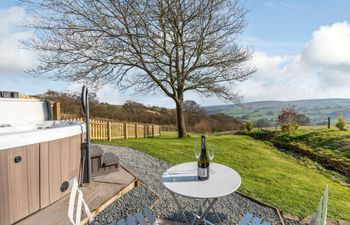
[149, 170]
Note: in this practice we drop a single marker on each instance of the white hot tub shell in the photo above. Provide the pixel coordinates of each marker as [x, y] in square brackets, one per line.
[12, 136]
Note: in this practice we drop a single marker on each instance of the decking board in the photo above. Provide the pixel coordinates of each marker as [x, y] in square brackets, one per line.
[98, 195]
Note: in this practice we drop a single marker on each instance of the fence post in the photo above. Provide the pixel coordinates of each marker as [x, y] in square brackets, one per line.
[92, 130]
[136, 130]
[56, 111]
[144, 131]
[126, 130]
[109, 131]
[329, 122]
[152, 130]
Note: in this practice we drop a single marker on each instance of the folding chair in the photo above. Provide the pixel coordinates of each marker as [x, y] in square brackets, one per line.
[141, 218]
[320, 216]
[248, 218]
[80, 202]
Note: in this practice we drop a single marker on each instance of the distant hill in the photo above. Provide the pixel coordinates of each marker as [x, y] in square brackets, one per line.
[129, 111]
[316, 109]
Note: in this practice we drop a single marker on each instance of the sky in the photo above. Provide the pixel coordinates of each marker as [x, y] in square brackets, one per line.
[301, 51]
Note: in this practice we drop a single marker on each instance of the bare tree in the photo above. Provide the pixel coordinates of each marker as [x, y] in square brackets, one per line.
[172, 46]
[191, 110]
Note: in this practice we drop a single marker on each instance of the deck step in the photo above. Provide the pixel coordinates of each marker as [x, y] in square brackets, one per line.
[96, 151]
[103, 162]
[109, 159]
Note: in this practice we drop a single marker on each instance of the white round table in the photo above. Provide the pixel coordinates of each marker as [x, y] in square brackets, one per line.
[182, 180]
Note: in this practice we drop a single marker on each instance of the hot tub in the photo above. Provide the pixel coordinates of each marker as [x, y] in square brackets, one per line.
[37, 160]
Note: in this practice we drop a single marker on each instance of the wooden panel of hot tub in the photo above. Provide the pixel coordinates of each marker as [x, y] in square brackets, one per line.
[33, 166]
[4, 197]
[55, 170]
[31, 176]
[66, 161]
[75, 155]
[18, 183]
[19, 186]
[44, 175]
[62, 163]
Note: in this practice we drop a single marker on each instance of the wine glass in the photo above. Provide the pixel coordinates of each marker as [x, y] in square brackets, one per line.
[197, 151]
[211, 155]
[211, 152]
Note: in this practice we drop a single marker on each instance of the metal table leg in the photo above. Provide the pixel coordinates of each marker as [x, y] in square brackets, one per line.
[198, 218]
[217, 216]
[206, 211]
[213, 209]
[180, 208]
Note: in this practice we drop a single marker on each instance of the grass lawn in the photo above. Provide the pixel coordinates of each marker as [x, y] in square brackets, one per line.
[267, 174]
[333, 143]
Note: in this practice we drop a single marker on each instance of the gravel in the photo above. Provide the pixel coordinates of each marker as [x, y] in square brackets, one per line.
[149, 169]
[292, 222]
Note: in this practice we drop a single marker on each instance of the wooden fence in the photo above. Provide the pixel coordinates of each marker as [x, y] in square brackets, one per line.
[169, 128]
[110, 130]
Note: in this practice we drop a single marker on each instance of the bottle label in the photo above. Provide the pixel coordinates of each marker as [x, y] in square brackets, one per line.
[202, 172]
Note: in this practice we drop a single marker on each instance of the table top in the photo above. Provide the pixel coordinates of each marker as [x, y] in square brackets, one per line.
[182, 179]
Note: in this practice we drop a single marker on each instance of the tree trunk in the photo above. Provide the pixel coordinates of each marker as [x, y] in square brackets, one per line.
[180, 119]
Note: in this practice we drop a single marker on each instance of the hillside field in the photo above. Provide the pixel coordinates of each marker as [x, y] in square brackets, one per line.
[317, 110]
[332, 143]
[267, 174]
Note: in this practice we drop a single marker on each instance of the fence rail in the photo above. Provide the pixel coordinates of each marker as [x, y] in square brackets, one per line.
[111, 130]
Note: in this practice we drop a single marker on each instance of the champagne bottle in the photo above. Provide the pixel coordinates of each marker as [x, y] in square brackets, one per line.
[203, 162]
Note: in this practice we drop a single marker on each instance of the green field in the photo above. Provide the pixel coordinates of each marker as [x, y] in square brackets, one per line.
[267, 174]
[332, 143]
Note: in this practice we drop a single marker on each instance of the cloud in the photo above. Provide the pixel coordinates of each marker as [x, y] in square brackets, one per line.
[320, 70]
[329, 46]
[267, 64]
[328, 53]
[13, 58]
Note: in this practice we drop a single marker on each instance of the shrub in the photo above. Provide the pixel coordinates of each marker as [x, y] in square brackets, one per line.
[296, 126]
[290, 128]
[249, 125]
[287, 116]
[288, 119]
[286, 128]
[341, 123]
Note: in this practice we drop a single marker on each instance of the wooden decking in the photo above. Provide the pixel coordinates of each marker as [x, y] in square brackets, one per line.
[100, 193]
